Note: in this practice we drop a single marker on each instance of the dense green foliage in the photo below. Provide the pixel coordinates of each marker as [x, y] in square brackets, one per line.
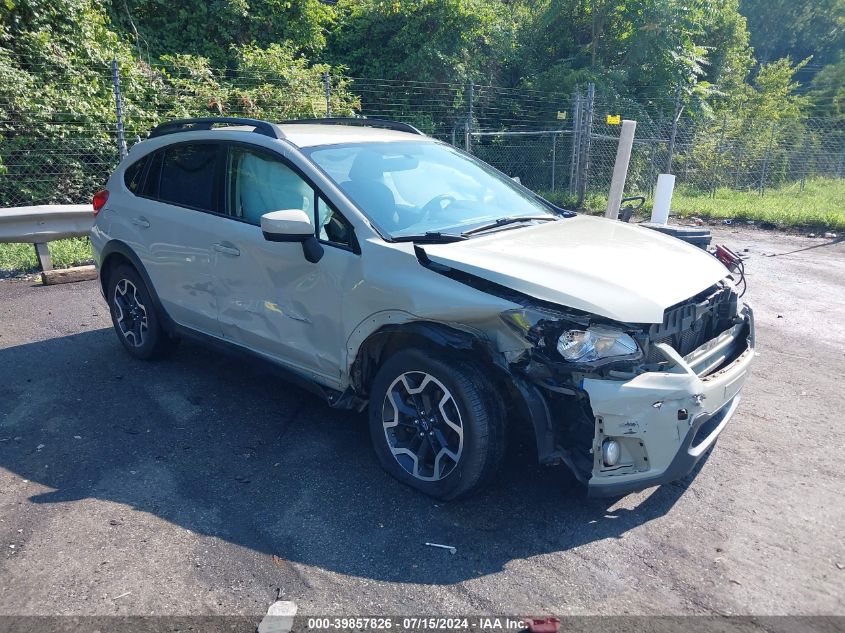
[796, 28]
[56, 95]
[215, 29]
[749, 70]
[641, 49]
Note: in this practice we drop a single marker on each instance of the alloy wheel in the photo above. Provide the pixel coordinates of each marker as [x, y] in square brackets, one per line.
[423, 426]
[130, 313]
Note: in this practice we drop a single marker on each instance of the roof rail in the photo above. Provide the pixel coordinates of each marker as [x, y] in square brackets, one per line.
[189, 125]
[362, 122]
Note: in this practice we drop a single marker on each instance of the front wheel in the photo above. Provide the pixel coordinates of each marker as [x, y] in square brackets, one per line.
[436, 425]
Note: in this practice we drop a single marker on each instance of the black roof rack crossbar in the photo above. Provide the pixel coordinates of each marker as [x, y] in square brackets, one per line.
[363, 122]
[188, 125]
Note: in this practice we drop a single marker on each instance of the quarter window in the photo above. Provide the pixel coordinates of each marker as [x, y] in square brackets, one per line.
[134, 174]
[187, 175]
[258, 183]
[333, 227]
[150, 189]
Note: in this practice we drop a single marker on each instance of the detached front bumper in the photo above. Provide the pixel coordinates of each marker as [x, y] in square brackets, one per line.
[666, 421]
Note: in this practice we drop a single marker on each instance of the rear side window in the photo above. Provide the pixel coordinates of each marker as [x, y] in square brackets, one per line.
[134, 174]
[188, 173]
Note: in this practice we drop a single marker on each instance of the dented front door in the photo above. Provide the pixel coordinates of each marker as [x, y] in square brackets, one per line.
[273, 301]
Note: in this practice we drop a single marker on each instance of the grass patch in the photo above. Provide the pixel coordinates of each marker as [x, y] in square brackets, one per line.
[820, 205]
[20, 258]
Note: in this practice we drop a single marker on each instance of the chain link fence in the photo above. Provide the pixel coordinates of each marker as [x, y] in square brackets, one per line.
[553, 142]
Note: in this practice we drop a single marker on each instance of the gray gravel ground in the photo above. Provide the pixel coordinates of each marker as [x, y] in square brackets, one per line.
[204, 485]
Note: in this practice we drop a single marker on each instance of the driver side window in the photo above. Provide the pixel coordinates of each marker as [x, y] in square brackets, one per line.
[257, 183]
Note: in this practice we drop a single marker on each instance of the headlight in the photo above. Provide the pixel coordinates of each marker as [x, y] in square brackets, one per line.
[529, 322]
[594, 343]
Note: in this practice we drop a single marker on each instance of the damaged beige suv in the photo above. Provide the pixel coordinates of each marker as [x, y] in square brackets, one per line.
[387, 270]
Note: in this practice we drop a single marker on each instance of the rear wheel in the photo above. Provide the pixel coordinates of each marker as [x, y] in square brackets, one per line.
[436, 424]
[135, 319]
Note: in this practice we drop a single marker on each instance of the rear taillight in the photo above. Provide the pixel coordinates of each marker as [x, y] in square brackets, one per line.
[100, 199]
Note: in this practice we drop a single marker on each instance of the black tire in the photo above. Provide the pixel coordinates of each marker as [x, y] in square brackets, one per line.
[480, 413]
[138, 327]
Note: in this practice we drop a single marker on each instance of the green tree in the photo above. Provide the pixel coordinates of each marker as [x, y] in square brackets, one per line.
[271, 83]
[827, 93]
[424, 40]
[56, 94]
[796, 28]
[57, 112]
[209, 28]
[641, 49]
[757, 125]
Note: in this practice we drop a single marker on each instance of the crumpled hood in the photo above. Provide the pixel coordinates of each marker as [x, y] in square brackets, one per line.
[605, 267]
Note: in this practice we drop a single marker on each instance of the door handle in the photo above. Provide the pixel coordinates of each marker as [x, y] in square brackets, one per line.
[231, 251]
[144, 223]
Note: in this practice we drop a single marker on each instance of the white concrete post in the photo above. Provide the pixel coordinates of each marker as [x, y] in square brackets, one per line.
[620, 169]
[662, 198]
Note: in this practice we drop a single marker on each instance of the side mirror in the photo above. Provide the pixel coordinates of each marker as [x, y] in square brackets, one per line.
[292, 225]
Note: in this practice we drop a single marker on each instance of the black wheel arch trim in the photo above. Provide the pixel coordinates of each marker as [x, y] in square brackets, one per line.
[451, 339]
[371, 350]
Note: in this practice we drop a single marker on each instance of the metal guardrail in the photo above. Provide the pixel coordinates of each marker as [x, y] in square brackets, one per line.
[44, 223]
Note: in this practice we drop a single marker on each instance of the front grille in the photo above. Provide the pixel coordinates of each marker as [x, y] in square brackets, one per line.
[689, 325]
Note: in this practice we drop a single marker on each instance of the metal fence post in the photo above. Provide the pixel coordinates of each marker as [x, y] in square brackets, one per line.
[586, 144]
[675, 117]
[118, 107]
[738, 167]
[42, 251]
[806, 153]
[766, 161]
[468, 138]
[327, 86]
[576, 143]
[554, 143]
[717, 162]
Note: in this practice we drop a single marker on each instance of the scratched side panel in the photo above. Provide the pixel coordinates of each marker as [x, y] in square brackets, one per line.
[275, 302]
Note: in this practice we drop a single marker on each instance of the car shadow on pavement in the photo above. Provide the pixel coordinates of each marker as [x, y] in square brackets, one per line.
[224, 448]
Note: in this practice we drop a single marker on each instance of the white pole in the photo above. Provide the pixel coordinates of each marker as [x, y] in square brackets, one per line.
[662, 198]
[620, 169]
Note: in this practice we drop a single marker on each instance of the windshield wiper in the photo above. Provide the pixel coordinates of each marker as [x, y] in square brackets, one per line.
[430, 237]
[505, 221]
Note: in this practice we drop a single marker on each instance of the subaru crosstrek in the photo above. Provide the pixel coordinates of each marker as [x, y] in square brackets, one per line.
[393, 272]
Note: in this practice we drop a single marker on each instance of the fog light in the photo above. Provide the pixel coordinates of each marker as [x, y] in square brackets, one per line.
[610, 451]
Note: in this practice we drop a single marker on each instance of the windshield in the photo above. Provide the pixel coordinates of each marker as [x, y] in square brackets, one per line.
[412, 187]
